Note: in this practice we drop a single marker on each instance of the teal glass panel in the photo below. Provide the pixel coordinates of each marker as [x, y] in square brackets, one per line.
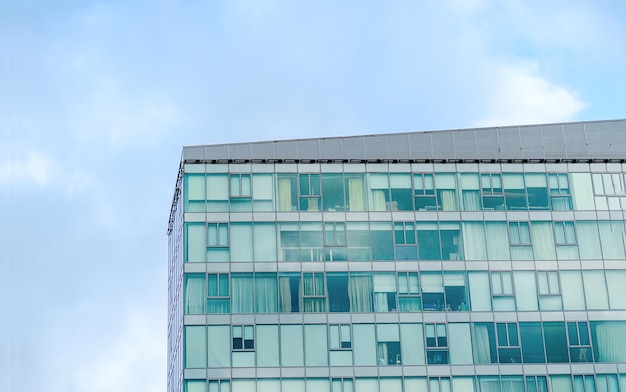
[195, 346]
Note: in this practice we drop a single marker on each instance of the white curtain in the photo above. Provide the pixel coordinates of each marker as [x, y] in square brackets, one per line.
[589, 240]
[611, 345]
[447, 197]
[383, 354]
[194, 294]
[284, 194]
[285, 294]
[360, 293]
[482, 352]
[242, 293]
[490, 384]
[612, 238]
[356, 194]
[543, 240]
[474, 241]
[266, 293]
[378, 200]
[497, 241]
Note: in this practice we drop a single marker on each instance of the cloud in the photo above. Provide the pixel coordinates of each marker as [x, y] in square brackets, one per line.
[29, 167]
[520, 96]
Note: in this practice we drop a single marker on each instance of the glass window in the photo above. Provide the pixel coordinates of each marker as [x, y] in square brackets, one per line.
[314, 294]
[428, 241]
[219, 339]
[338, 297]
[404, 239]
[315, 345]
[266, 293]
[194, 294]
[195, 197]
[291, 345]
[240, 185]
[342, 385]
[289, 294]
[217, 235]
[333, 192]
[287, 192]
[579, 342]
[424, 191]
[537, 189]
[385, 292]
[446, 191]
[401, 193]
[514, 191]
[243, 338]
[217, 192]
[460, 343]
[556, 342]
[364, 344]
[564, 233]
[436, 344]
[491, 187]
[354, 185]
[267, 345]
[340, 337]
[508, 343]
[218, 293]
[408, 292]
[309, 194]
[502, 290]
[470, 192]
[560, 197]
[389, 351]
[531, 336]
[549, 290]
[519, 239]
[195, 346]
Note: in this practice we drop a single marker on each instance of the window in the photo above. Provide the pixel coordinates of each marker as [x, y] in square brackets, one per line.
[404, 239]
[243, 338]
[385, 291]
[560, 196]
[536, 383]
[491, 186]
[549, 290]
[436, 344]
[335, 241]
[217, 234]
[217, 386]
[240, 185]
[508, 343]
[579, 342]
[314, 294]
[342, 385]
[218, 293]
[502, 290]
[408, 292]
[340, 337]
[564, 233]
[389, 351]
[309, 192]
[424, 191]
[519, 233]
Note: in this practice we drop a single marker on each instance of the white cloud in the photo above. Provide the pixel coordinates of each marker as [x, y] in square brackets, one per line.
[518, 95]
[29, 167]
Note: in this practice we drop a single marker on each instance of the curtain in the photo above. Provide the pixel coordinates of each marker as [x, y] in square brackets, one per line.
[447, 197]
[497, 241]
[266, 293]
[471, 200]
[589, 240]
[490, 384]
[482, 351]
[610, 345]
[543, 240]
[512, 384]
[194, 294]
[284, 194]
[612, 239]
[360, 293]
[356, 194]
[474, 241]
[383, 354]
[378, 200]
[242, 293]
[285, 294]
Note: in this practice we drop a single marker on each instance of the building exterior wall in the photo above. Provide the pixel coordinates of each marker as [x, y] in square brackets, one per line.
[397, 273]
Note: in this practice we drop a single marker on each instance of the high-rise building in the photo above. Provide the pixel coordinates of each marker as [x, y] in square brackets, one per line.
[489, 259]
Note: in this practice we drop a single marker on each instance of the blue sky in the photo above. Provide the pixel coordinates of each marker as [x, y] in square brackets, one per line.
[97, 99]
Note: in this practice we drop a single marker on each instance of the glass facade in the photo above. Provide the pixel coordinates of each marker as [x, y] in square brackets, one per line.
[398, 275]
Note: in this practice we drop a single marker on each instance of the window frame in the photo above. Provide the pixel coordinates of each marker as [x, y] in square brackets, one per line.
[237, 191]
[340, 328]
[218, 240]
[243, 328]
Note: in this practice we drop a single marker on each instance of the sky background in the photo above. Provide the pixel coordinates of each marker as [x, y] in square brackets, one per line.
[98, 98]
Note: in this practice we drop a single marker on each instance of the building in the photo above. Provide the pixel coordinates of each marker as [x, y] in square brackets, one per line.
[489, 259]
